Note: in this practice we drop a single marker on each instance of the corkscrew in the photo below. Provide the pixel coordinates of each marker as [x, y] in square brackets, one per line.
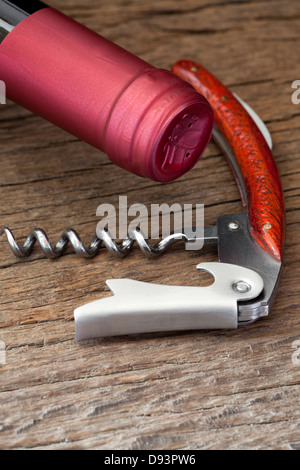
[104, 238]
[250, 243]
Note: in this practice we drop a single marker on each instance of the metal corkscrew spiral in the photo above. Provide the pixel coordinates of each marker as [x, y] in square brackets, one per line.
[71, 237]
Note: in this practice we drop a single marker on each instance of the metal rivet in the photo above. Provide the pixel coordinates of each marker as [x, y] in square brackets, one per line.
[194, 68]
[233, 226]
[267, 226]
[241, 287]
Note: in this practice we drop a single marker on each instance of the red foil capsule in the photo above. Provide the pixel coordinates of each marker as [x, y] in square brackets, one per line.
[147, 120]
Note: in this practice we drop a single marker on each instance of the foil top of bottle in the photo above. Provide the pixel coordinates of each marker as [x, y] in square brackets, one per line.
[159, 127]
[12, 12]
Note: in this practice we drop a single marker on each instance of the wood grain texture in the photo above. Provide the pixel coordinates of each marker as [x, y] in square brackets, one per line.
[199, 390]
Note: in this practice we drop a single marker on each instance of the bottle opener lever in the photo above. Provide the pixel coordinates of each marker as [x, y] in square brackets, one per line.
[250, 243]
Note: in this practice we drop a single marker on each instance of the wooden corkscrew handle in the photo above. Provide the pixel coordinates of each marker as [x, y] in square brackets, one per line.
[265, 203]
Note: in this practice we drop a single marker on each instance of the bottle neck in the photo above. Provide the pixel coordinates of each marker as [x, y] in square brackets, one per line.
[12, 12]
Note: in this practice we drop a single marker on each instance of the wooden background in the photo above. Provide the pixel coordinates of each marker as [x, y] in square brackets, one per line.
[192, 390]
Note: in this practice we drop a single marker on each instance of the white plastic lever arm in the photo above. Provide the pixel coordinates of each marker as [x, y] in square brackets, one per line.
[140, 307]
